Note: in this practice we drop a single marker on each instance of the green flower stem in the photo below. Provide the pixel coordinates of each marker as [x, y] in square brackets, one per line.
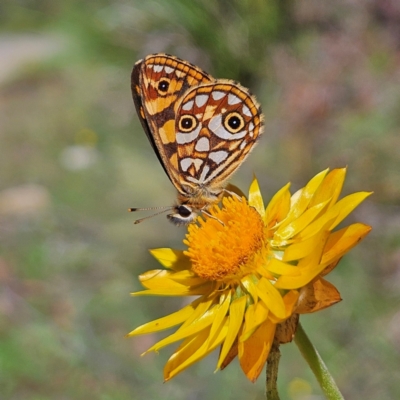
[318, 367]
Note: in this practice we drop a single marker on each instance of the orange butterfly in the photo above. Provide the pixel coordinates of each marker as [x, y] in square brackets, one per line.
[202, 129]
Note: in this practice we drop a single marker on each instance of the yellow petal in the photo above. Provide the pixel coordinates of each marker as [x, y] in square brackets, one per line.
[174, 289]
[220, 315]
[233, 352]
[309, 266]
[153, 274]
[255, 198]
[204, 322]
[348, 204]
[204, 304]
[301, 199]
[253, 352]
[290, 300]
[337, 213]
[301, 249]
[202, 351]
[256, 314]
[330, 188]
[285, 232]
[166, 322]
[295, 282]
[340, 242]
[236, 313]
[170, 258]
[278, 207]
[315, 256]
[251, 288]
[188, 347]
[271, 297]
[156, 279]
[281, 268]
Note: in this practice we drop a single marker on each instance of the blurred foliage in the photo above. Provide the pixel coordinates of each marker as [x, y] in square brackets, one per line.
[74, 158]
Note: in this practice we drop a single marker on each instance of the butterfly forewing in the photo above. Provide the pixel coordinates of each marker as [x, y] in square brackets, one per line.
[158, 83]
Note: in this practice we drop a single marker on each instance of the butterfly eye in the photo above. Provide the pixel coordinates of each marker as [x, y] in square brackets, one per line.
[233, 122]
[184, 211]
[187, 123]
[163, 86]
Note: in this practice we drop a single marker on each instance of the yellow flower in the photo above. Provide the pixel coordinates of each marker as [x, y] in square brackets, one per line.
[252, 268]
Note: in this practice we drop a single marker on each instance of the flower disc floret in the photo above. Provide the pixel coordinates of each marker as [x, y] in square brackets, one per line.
[222, 246]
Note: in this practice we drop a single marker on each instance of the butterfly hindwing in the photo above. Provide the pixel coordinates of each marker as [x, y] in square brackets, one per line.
[217, 125]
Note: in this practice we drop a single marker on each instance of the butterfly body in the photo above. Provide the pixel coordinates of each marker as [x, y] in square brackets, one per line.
[201, 128]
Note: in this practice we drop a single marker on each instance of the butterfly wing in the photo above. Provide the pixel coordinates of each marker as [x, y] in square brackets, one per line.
[158, 83]
[217, 125]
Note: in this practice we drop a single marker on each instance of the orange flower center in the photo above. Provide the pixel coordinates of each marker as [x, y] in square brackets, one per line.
[222, 247]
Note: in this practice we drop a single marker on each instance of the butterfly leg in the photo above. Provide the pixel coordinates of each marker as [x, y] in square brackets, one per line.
[211, 216]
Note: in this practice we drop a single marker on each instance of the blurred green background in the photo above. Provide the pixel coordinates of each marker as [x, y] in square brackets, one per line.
[73, 158]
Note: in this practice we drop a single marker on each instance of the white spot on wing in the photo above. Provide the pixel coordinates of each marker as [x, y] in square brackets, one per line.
[251, 129]
[191, 179]
[168, 70]
[183, 138]
[187, 162]
[188, 106]
[232, 99]
[215, 172]
[217, 95]
[158, 68]
[197, 163]
[204, 173]
[246, 110]
[218, 156]
[201, 99]
[215, 125]
[242, 145]
[203, 144]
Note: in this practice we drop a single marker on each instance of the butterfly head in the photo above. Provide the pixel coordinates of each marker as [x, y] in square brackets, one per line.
[182, 215]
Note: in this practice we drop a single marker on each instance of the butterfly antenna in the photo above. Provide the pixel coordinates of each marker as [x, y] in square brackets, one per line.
[138, 221]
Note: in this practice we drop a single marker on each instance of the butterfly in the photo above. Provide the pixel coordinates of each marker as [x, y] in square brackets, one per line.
[201, 129]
